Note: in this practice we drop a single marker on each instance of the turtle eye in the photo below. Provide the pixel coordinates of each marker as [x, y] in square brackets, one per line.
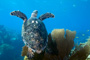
[11, 13]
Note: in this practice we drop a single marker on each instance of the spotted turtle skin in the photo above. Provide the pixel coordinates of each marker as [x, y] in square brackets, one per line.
[35, 34]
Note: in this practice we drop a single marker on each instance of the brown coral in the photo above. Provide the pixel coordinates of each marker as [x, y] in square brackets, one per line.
[24, 51]
[80, 54]
[63, 44]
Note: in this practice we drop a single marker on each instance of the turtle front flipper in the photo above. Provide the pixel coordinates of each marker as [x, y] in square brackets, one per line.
[46, 15]
[19, 14]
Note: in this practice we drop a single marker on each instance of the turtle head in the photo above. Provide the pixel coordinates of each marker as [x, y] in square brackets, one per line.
[34, 13]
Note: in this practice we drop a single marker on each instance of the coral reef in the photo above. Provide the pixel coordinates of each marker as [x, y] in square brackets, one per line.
[6, 47]
[10, 44]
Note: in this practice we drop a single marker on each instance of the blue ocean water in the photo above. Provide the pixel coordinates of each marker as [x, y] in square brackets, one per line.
[69, 14]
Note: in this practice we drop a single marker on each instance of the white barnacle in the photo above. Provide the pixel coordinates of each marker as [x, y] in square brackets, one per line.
[32, 21]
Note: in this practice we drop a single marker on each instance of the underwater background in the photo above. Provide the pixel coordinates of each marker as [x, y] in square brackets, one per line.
[69, 14]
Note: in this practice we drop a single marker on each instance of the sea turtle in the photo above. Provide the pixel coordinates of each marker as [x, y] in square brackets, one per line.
[34, 33]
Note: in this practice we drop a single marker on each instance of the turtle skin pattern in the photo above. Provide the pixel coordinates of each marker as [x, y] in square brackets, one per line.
[34, 34]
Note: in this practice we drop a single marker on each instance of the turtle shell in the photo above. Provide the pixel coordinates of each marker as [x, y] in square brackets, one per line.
[34, 34]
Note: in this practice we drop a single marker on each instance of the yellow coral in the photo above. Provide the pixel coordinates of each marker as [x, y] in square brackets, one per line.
[26, 58]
